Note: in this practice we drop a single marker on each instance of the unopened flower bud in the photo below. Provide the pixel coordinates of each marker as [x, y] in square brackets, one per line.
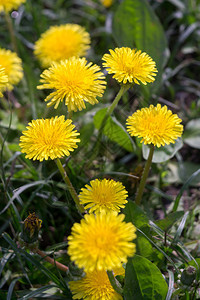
[31, 227]
[188, 275]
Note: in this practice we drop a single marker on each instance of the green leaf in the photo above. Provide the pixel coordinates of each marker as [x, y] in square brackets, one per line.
[135, 215]
[143, 280]
[136, 25]
[163, 153]
[114, 130]
[166, 223]
[192, 133]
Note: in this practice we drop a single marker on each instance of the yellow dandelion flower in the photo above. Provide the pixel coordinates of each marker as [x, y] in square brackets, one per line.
[130, 65]
[101, 242]
[62, 42]
[3, 80]
[12, 65]
[8, 5]
[103, 195]
[75, 81]
[155, 125]
[49, 138]
[107, 3]
[94, 286]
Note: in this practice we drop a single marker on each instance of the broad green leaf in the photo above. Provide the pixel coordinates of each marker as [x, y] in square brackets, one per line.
[143, 280]
[114, 130]
[166, 223]
[180, 172]
[163, 153]
[191, 134]
[136, 25]
[135, 215]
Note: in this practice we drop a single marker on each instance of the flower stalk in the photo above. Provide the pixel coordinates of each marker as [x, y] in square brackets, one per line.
[114, 282]
[121, 92]
[11, 31]
[52, 261]
[144, 176]
[69, 185]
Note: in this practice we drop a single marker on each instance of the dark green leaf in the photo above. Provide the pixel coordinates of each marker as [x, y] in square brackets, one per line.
[168, 222]
[136, 25]
[135, 215]
[114, 130]
[143, 280]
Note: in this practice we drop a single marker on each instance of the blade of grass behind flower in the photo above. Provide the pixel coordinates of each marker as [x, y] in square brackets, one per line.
[35, 262]
[38, 292]
[20, 190]
[184, 187]
[11, 287]
[158, 248]
[171, 285]
[180, 228]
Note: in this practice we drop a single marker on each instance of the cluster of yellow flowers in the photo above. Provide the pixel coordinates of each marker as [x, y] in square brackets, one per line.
[102, 241]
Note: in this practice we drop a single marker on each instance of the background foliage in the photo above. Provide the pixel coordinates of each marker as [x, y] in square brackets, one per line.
[168, 221]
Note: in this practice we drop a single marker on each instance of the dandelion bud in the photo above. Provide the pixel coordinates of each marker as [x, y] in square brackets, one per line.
[31, 227]
[188, 275]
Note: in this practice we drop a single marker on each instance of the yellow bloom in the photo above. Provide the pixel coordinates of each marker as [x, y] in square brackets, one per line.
[3, 80]
[62, 42]
[32, 224]
[107, 3]
[8, 5]
[49, 138]
[101, 242]
[75, 81]
[12, 65]
[103, 195]
[94, 286]
[155, 125]
[129, 65]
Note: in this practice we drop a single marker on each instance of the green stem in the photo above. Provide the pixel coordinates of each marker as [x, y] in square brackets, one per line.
[69, 185]
[11, 31]
[144, 176]
[96, 149]
[115, 283]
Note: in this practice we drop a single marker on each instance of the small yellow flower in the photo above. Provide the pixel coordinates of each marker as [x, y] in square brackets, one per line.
[101, 242]
[74, 81]
[8, 5]
[3, 80]
[107, 3]
[103, 195]
[155, 125]
[12, 65]
[49, 138]
[94, 286]
[62, 42]
[130, 65]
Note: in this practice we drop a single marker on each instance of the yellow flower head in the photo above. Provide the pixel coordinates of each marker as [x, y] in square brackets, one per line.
[3, 80]
[62, 42]
[49, 138]
[130, 65]
[12, 65]
[94, 286]
[101, 242]
[103, 195]
[74, 81]
[155, 125]
[8, 5]
[107, 3]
